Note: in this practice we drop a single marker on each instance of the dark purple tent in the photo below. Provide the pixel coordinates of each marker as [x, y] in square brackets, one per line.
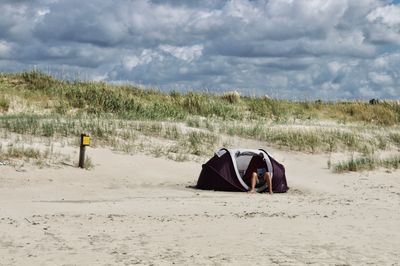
[230, 170]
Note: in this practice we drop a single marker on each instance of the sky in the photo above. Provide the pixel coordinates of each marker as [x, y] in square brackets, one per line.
[287, 49]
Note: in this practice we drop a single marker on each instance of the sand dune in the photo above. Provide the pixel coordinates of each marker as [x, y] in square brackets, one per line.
[141, 210]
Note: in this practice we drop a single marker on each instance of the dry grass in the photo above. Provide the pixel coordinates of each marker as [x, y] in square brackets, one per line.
[367, 163]
[130, 102]
[186, 126]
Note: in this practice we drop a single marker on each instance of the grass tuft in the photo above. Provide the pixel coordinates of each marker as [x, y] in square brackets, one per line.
[367, 164]
[4, 104]
[232, 97]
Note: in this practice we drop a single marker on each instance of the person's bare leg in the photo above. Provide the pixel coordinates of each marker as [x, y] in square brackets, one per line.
[253, 182]
[268, 179]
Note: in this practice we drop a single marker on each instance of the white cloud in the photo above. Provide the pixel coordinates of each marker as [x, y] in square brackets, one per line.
[101, 77]
[381, 62]
[387, 62]
[368, 92]
[392, 92]
[40, 13]
[277, 81]
[388, 15]
[329, 86]
[5, 49]
[129, 62]
[303, 79]
[184, 53]
[385, 24]
[334, 67]
[381, 78]
[320, 48]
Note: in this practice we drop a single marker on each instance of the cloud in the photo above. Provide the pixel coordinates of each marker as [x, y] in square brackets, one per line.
[385, 24]
[381, 78]
[388, 15]
[291, 49]
[184, 53]
[5, 49]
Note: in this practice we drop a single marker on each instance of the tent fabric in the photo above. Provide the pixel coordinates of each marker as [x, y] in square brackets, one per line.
[279, 185]
[219, 174]
[230, 170]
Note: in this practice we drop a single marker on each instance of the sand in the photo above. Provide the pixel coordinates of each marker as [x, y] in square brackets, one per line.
[136, 209]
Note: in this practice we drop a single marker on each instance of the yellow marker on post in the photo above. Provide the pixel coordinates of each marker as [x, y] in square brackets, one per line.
[85, 141]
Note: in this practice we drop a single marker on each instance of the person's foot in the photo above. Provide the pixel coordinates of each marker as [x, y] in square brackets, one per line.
[252, 191]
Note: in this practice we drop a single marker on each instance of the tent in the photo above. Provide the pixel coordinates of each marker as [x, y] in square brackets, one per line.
[230, 170]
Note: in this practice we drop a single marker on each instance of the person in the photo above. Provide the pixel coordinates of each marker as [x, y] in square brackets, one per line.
[261, 177]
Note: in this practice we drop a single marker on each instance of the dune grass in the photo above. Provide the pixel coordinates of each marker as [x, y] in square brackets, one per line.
[395, 138]
[23, 152]
[108, 131]
[309, 140]
[131, 102]
[4, 104]
[193, 124]
[123, 135]
[14, 152]
[367, 164]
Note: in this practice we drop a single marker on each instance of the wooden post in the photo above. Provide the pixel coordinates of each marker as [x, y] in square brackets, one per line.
[85, 141]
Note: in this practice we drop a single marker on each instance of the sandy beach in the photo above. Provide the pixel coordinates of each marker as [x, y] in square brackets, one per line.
[141, 210]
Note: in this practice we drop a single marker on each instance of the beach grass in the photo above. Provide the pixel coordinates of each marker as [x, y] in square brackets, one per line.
[367, 164]
[133, 119]
[308, 139]
[135, 103]
[4, 104]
